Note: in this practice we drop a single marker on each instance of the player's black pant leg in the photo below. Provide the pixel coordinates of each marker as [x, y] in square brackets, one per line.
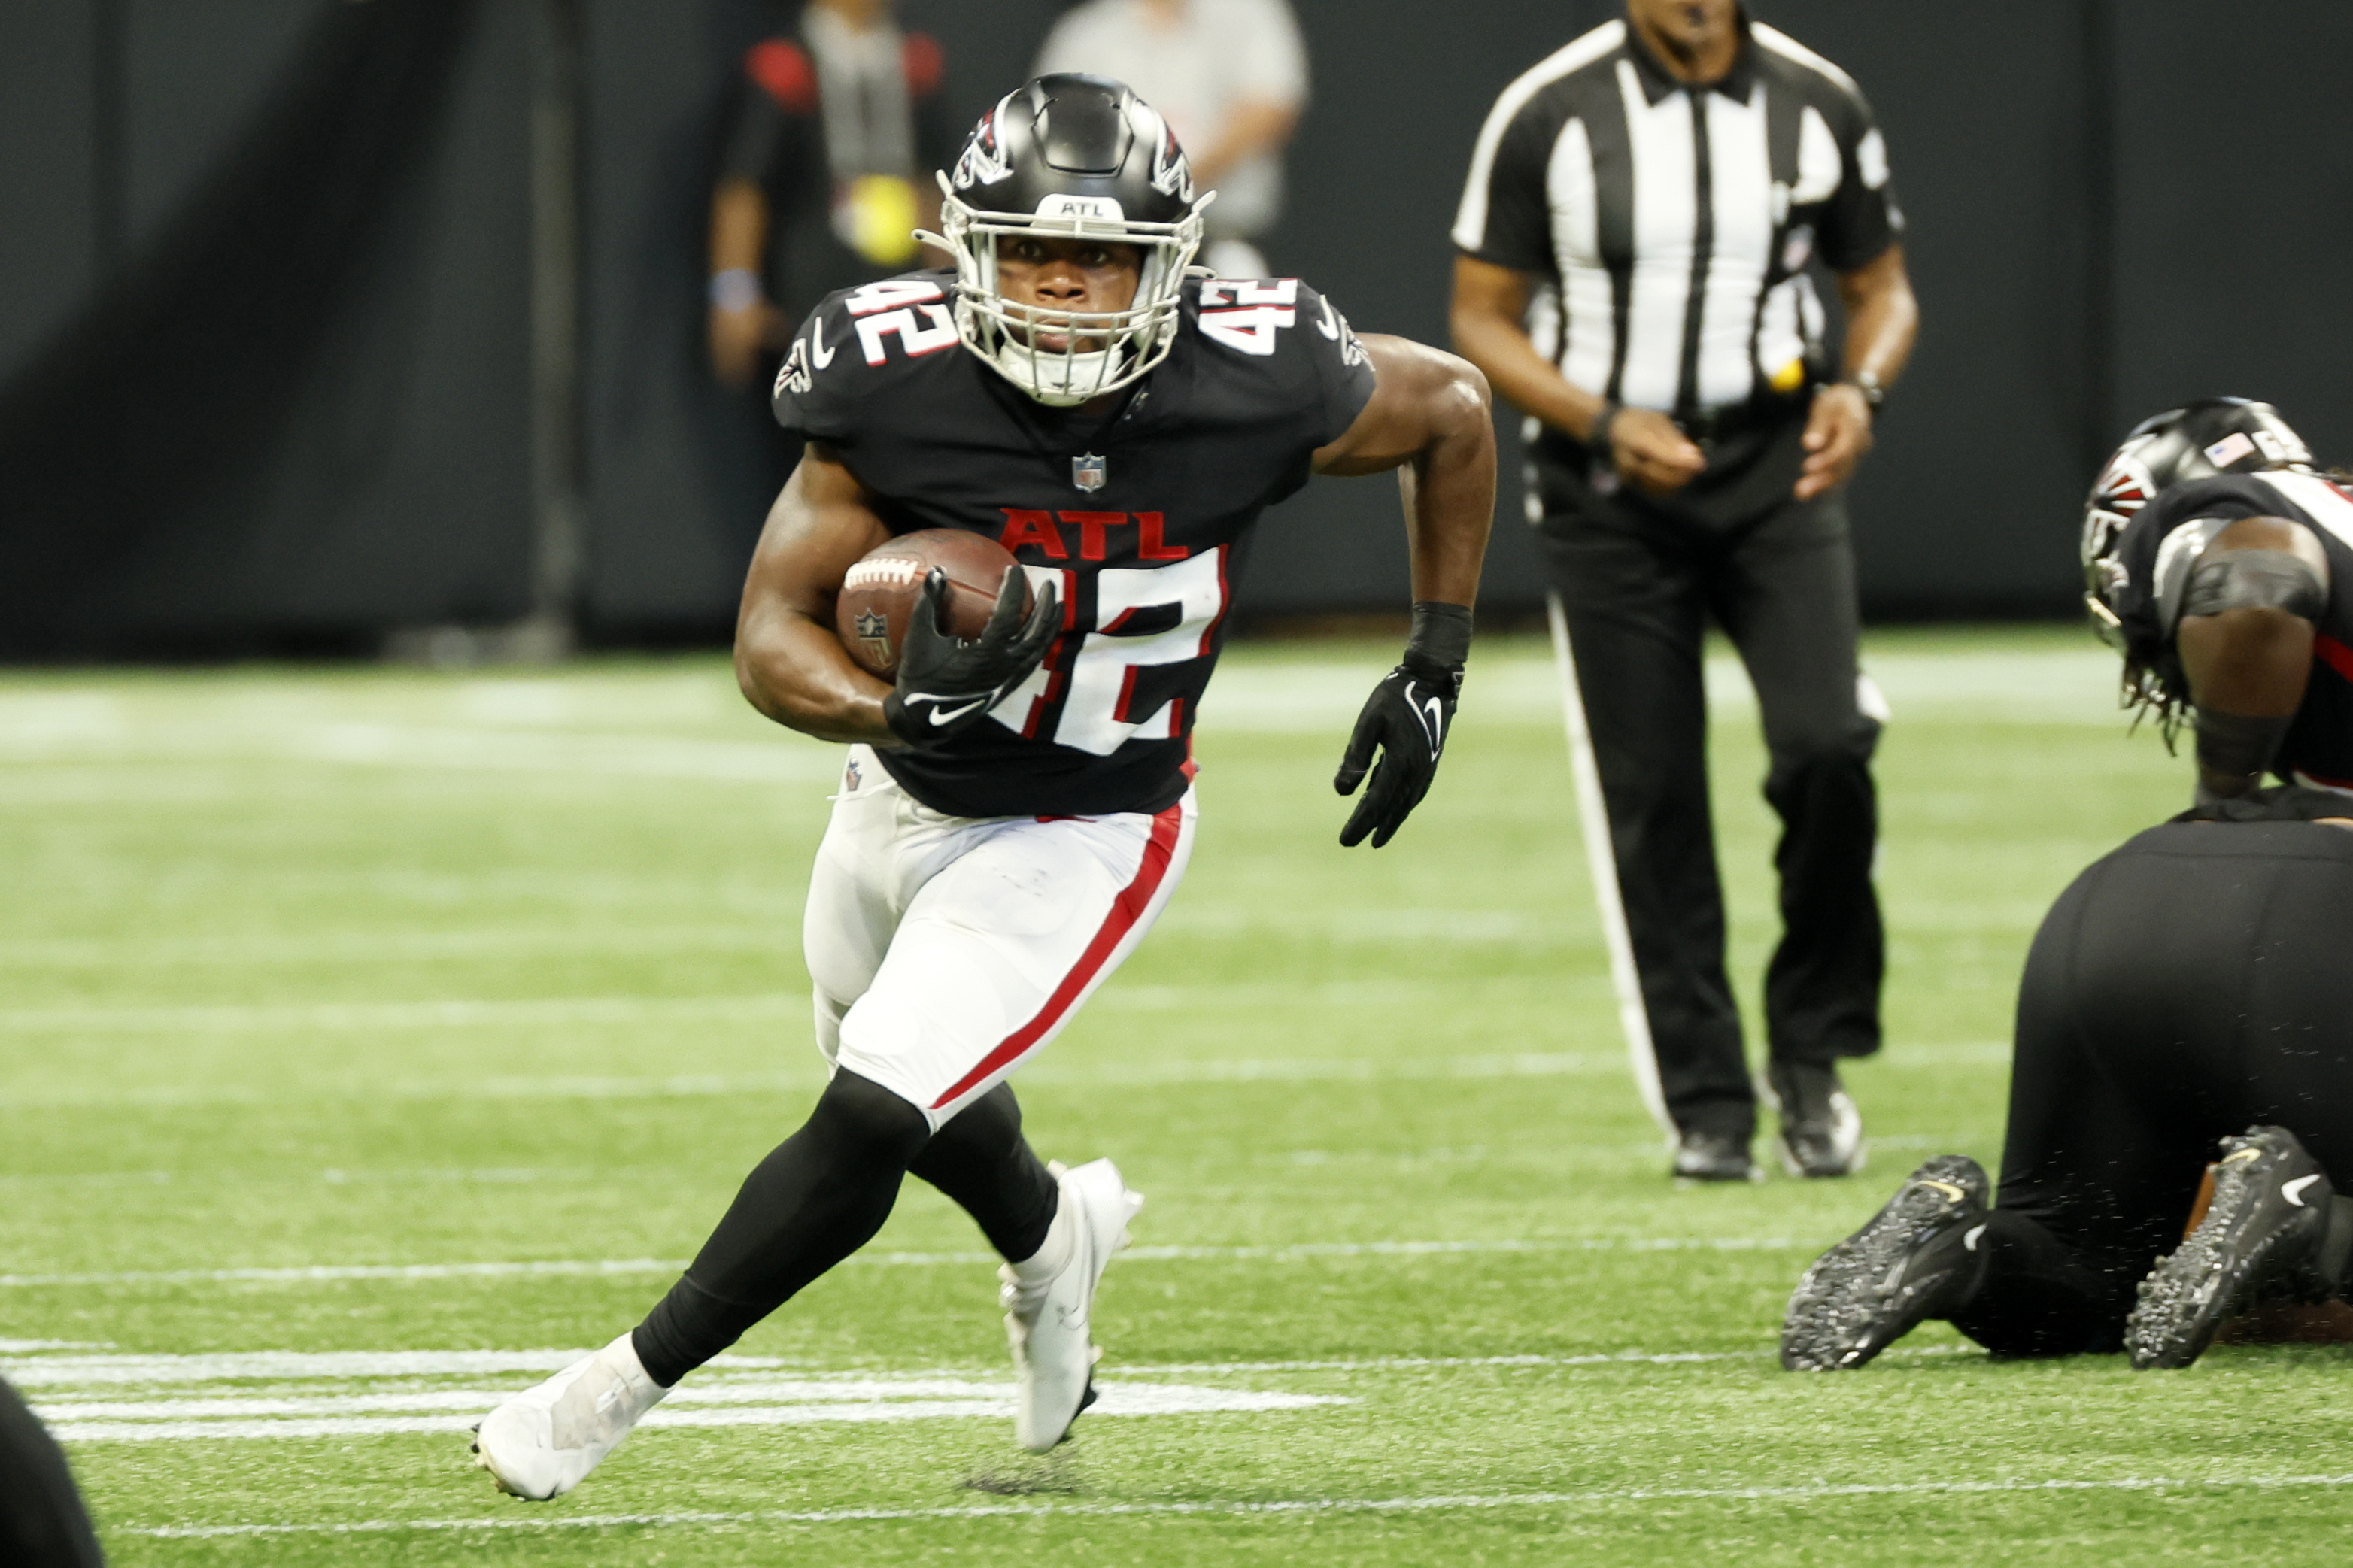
[42, 1522]
[1784, 592]
[1630, 584]
[2195, 981]
[981, 1160]
[819, 1196]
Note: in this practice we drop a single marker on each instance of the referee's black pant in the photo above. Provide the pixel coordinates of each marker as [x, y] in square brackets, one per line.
[1640, 577]
[2193, 982]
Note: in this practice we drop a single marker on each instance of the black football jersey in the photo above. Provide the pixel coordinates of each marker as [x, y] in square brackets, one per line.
[2148, 572]
[1143, 515]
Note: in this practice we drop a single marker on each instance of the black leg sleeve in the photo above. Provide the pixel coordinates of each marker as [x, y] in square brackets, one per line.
[981, 1160]
[1787, 598]
[42, 1522]
[817, 1198]
[2041, 1296]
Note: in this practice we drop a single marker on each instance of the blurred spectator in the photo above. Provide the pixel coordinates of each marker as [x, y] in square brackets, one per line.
[827, 171]
[1230, 77]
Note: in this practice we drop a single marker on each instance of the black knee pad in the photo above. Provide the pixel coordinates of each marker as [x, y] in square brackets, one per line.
[860, 1117]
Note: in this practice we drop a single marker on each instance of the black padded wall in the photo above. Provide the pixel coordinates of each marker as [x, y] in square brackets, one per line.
[264, 289]
[294, 408]
[2233, 212]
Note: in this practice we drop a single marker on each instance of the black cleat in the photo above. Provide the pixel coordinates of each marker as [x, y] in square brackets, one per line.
[1917, 1258]
[1822, 1132]
[2260, 1241]
[1705, 1156]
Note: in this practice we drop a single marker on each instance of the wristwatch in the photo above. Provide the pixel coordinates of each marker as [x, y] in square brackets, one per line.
[1868, 384]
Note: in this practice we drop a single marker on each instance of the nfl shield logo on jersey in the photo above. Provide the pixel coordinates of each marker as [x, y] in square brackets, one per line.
[1090, 473]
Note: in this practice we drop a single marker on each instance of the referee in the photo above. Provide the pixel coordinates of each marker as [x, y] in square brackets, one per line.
[1636, 236]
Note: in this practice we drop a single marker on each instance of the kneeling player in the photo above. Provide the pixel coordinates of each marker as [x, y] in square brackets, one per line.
[1015, 810]
[2196, 984]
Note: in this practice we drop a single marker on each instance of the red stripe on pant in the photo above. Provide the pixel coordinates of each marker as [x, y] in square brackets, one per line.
[1125, 910]
[2334, 654]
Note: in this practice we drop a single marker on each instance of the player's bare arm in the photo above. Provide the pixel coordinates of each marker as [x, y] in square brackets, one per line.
[1489, 304]
[789, 659]
[1429, 417]
[2249, 655]
[1883, 322]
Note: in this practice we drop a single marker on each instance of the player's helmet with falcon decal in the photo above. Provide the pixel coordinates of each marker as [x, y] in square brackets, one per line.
[1071, 157]
[2195, 441]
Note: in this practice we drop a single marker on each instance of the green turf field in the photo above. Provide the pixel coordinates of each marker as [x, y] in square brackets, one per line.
[373, 1038]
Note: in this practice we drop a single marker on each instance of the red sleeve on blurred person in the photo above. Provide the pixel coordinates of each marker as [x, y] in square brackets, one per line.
[924, 66]
[783, 73]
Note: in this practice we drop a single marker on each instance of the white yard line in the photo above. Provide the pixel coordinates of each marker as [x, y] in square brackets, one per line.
[867, 1401]
[1048, 1074]
[323, 1274]
[1596, 1497]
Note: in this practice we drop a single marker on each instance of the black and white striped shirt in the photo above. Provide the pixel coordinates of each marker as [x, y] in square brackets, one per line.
[1671, 224]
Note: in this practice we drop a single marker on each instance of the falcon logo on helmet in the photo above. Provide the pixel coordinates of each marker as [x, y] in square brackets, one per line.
[2195, 441]
[1171, 175]
[981, 163]
[1071, 157]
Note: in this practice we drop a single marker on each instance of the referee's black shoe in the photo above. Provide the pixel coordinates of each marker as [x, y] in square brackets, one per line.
[2261, 1240]
[1917, 1258]
[1822, 1132]
[1705, 1156]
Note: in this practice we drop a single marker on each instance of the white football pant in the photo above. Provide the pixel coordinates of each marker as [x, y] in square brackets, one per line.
[946, 951]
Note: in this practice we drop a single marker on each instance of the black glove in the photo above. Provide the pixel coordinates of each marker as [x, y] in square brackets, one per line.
[945, 684]
[1407, 716]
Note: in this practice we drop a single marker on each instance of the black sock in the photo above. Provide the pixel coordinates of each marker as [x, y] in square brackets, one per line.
[819, 1197]
[982, 1162]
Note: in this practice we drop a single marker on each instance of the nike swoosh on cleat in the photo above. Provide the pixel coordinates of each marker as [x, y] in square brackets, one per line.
[819, 353]
[1970, 1240]
[2294, 1191]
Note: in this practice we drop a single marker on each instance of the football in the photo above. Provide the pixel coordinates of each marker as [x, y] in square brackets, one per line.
[879, 591]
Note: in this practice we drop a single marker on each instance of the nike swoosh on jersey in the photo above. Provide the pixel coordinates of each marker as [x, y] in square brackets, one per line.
[948, 715]
[819, 353]
[1330, 325]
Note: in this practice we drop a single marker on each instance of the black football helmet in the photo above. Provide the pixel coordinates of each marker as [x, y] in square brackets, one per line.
[2195, 441]
[1073, 157]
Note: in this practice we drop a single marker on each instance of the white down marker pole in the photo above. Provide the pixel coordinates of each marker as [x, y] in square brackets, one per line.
[1601, 859]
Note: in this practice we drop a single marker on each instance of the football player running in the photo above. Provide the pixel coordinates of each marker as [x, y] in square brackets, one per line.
[2195, 986]
[1015, 810]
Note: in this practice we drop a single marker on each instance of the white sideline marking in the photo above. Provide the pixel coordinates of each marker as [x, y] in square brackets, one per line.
[725, 1379]
[319, 1274]
[1048, 1074]
[862, 1403]
[283, 1395]
[1603, 1497]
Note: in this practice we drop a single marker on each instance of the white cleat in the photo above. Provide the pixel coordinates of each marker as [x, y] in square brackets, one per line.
[545, 1441]
[1053, 1355]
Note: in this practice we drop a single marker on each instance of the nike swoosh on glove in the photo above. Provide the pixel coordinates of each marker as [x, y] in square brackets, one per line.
[1407, 716]
[946, 684]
